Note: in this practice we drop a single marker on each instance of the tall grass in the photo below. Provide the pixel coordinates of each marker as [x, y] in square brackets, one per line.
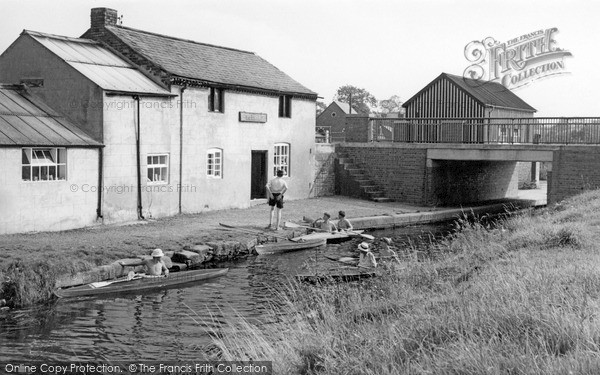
[25, 283]
[519, 297]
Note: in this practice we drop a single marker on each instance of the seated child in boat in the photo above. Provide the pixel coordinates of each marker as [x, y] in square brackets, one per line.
[154, 266]
[367, 259]
[343, 223]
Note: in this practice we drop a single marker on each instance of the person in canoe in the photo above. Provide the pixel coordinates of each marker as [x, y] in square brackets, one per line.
[325, 224]
[154, 266]
[366, 259]
[276, 187]
[343, 223]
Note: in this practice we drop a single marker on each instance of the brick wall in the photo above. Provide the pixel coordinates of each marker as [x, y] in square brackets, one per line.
[324, 168]
[357, 128]
[575, 169]
[399, 171]
[406, 176]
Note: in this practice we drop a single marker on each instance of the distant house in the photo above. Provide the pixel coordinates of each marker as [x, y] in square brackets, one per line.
[46, 160]
[186, 126]
[332, 120]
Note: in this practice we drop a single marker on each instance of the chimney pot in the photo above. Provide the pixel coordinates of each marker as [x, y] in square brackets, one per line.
[102, 17]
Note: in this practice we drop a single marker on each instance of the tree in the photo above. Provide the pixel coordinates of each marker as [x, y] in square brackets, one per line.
[393, 104]
[320, 107]
[359, 99]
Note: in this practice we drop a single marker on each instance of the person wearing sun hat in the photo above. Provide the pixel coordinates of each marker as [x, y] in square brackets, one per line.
[366, 259]
[154, 266]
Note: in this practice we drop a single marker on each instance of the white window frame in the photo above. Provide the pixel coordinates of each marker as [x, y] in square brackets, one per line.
[44, 164]
[214, 163]
[281, 158]
[154, 163]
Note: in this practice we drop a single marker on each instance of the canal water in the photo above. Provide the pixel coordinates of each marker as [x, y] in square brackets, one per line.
[172, 324]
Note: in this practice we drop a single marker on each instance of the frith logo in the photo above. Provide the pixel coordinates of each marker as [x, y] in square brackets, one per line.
[517, 62]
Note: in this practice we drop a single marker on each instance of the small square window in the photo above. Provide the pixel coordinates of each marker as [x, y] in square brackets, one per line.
[158, 169]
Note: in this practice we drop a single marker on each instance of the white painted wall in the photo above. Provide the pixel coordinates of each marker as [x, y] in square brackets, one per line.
[27, 206]
[202, 130]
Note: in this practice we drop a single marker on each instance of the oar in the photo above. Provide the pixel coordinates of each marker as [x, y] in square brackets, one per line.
[294, 225]
[252, 231]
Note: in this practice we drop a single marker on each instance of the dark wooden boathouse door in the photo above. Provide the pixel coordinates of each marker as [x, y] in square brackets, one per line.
[258, 180]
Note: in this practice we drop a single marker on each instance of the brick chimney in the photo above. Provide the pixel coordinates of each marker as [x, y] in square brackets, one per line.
[100, 17]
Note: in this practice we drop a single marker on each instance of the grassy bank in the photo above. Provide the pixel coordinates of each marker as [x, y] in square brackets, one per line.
[521, 298]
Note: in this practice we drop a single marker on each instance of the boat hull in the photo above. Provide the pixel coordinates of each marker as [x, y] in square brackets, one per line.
[284, 247]
[329, 237]
[343, 274]
[142, 284]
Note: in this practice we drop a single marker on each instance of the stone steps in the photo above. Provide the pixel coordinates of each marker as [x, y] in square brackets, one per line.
[368, 186]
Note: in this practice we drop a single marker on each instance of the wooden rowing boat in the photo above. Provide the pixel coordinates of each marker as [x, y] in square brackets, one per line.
[139, 283]
[338, 274]
[284, 247]
[336, 237]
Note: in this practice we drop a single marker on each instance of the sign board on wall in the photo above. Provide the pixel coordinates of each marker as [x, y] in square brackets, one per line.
[253, 117]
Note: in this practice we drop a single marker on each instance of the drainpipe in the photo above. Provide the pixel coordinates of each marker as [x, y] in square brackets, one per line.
[181, 143]
[139, 166]
[99, 207]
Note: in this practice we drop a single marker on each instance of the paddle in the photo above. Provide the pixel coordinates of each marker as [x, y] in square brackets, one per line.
[252, 231]
[294, 225]
[130, 276]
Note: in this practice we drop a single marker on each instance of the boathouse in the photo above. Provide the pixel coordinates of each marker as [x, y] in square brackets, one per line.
[45, 157]
[187, 126]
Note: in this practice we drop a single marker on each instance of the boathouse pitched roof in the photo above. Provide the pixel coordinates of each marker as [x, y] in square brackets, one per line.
[183, 60]
[26, 121]
[488, 94]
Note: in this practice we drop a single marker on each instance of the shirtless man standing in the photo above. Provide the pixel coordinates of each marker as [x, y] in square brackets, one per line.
[276, 188]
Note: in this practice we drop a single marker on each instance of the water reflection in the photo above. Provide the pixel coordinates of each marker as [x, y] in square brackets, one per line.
[175, 323]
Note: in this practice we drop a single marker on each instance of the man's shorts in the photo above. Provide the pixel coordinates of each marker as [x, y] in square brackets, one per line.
[278, 203]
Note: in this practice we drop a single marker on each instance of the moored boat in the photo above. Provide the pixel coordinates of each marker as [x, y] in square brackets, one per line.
[139, 283]
[284, 247]
[336, 237]
[339, 274]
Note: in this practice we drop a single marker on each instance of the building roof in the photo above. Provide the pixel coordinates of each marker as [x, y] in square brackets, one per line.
[208, 63]
[98, 64]
[345, 107]
[27, 121]
[489, 94]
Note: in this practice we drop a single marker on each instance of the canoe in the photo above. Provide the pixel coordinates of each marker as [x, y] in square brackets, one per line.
[284, 247]
[139, 283]
[346, 260]
[339, 274]
[329, 237]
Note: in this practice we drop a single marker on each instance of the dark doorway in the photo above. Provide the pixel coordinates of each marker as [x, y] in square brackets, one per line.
[258, 180]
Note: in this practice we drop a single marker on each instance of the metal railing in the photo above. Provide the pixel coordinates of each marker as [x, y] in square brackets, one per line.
[542, 130]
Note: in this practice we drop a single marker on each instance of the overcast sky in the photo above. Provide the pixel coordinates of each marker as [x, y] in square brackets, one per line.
[386, 47]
